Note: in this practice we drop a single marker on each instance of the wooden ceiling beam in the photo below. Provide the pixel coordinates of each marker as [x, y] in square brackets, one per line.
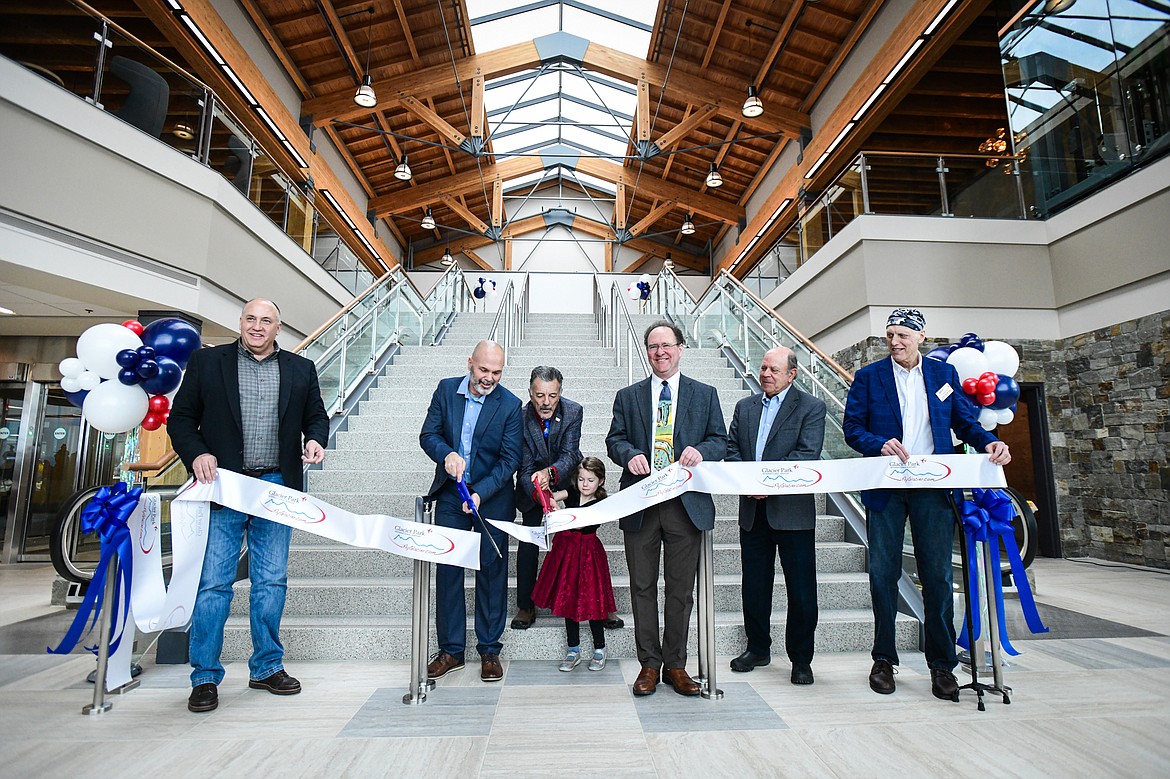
[432, 120]
[655, 214]
[400, 202]
[468, 215]
[470, 254]
[652, 187]
[675, 134]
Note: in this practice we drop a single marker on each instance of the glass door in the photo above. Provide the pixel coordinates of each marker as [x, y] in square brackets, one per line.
[11, 409]
[55, 472]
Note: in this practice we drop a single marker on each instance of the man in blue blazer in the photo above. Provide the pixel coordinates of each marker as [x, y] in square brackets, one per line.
[898, 407]
[665, 418]
[780, 423]
[472, 433]
[552, 449]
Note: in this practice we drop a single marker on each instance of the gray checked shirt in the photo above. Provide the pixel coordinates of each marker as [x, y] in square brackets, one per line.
[259, 409]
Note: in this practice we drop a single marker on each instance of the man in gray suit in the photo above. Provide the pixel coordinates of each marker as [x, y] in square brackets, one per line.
[662, 416]
[780, 423]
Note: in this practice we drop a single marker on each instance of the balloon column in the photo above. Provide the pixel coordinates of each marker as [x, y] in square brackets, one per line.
[481, 292]
[125, 375]
[640, 290]
[985, 369]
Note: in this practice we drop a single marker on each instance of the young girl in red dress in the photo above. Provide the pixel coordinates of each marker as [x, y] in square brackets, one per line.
[574, 581]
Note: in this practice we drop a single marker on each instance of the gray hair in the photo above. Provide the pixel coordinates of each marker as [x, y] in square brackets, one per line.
[546, 373]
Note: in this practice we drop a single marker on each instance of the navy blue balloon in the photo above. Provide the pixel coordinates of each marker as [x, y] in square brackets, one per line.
[951, 348]
[128, 376]
[146, 352]
[167, 380]
[173, 338]
[939, 354]
[479, 293]
[148, 369]
[1007, 392]
[127, 358]
[77, 398]
[971, 340]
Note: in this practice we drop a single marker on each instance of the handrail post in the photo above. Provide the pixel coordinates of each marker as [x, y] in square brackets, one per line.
[100, 705]
[420, 616]
[864, 184]
[706, 581]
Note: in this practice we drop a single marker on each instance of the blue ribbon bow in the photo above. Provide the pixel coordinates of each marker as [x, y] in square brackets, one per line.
[988, 518]
[106, 514]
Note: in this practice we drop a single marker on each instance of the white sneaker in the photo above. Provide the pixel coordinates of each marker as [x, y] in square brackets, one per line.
[572, 659]
[598, 661]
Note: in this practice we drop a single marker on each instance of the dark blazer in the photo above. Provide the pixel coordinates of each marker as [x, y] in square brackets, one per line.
[698, 422]
[797, 433]
[562, 450]
[497, 445]
[205, 416]
[873, 415]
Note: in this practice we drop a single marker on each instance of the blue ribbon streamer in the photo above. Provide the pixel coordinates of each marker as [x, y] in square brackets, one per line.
[988, 519]
[106, 514]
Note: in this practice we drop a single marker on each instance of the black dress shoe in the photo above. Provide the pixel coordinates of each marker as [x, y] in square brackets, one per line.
[944, 685]
[279, 683]
[749, 660]
[614, 622]
[204, 697]
[802, 673]
[524, 619]
[881, 677]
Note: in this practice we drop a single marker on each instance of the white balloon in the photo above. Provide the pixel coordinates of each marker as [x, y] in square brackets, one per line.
[99, 346]
[1004, 416]
[115, 407]
[633, 292]
[70, 384]
[1001, 357]
[645, 277]
[969, 363]
[89, 380]
[71, 367]
[988, 418]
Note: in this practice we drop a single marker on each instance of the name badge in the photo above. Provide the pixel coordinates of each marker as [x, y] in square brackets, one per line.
[944, 392]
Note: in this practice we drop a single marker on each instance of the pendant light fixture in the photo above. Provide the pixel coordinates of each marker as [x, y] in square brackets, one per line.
[688, 225]
[714, 180]
[448, 260]
[428, 220]
[402, 172]
[365, 96]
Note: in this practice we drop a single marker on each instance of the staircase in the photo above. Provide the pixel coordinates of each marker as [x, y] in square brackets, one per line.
[348, 603]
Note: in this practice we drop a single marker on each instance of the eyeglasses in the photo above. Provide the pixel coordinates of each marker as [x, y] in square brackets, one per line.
[660, 347]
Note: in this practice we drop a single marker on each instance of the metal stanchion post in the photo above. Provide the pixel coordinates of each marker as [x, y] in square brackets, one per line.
[100, 705]
[707, 661]
[993, 621]
[420, 617]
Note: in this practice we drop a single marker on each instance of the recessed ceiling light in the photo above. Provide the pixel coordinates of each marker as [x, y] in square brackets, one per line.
[6, 311]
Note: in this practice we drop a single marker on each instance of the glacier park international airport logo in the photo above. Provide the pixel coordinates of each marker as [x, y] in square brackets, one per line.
[148, 532]
[667, 482]
[787, 477]
[916, 470]
[293, 506]
[422, 541]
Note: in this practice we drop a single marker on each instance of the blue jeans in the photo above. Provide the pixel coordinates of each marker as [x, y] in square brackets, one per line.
[268, 572]
[491, 587]
[932, 527]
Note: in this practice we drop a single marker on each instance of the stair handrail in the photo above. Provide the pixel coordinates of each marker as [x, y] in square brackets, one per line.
[625, 335]
[512, 315]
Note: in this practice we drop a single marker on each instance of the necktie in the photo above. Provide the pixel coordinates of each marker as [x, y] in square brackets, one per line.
[663, 454]
[546, 425]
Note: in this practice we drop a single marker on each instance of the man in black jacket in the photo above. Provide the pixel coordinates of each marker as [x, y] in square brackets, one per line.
[552, 449]
[250, 407]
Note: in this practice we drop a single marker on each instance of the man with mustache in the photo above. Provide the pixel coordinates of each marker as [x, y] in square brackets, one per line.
[552, 449]
[472, 433]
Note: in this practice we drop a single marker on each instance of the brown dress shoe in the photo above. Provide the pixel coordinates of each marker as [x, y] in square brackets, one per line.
[944, 685]
[680, 680]
[647, 681]
[881, 677]
[490, 669]
[443, 664]
[524, 619]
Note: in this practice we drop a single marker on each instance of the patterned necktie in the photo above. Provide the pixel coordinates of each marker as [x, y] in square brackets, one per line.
[663, 454]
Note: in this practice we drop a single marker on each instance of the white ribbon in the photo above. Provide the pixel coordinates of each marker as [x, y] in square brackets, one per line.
[947, 471]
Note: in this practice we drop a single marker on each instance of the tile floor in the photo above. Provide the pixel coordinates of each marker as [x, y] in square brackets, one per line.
[1094, 705]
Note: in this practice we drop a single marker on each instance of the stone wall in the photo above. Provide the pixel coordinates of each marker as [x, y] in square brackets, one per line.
[1108, 404]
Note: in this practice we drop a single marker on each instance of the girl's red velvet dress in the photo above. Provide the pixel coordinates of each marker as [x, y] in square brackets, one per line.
[574, 580]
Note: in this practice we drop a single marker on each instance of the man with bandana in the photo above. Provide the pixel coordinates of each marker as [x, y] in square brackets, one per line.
[901, 407]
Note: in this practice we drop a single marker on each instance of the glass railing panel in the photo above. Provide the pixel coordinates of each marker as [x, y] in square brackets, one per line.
[46, 42]
[330, 377]
[986, 187]
[299, 217]
[901, 184]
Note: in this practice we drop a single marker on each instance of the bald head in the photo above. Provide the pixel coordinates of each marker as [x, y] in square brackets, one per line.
[777, 370]
[486, 366]
[259, 326]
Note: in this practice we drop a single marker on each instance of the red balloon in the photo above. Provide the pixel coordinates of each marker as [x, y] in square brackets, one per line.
[983, 398]
[152, 421]
[133, 325]
[969, 385]
[166, 417]
[160, 404]
[989, 375]
[984, 385]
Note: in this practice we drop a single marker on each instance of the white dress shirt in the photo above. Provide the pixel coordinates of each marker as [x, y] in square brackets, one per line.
[916, 433]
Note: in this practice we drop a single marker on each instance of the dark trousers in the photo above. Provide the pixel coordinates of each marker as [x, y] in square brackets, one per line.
[526, 563]
[798, 559]
[932, 525]
[491, 588]
[667, 531]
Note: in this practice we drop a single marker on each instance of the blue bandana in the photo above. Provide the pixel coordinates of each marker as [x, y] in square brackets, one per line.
[907, 317]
